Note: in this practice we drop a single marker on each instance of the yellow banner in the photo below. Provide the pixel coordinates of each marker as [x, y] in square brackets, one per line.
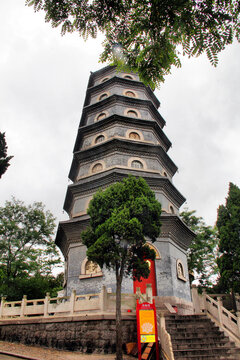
[147, 324]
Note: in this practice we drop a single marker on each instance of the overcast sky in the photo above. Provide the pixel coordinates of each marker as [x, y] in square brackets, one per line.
[43, 80]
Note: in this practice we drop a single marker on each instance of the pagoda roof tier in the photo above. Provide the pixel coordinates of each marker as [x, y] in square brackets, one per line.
[124, 100]
[119, 120]
[68, 233]
[173, 229]
[134, 84]
[126, 146]
[104, 179]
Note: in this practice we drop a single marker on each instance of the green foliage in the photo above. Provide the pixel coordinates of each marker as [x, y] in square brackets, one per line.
[228, 224]
[203, 250]
[125, 212]
[4, 159]
[27, 251]
[151, 33]
[35, 287]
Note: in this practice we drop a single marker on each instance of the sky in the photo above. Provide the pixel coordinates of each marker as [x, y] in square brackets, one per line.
[43, 80]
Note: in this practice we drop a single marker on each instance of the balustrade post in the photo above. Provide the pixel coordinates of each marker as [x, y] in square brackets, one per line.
[149, 294]
[219, 301]
[138, 293]
[162, 322]
[238, 321]
[46, 302]
[237, 297]
[2, 306]
[103, 299]
[204, 294]
[23, 304]
[196, 300]
[72, 302]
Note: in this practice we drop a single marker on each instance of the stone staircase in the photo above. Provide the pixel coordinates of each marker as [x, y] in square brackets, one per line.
[196, 337]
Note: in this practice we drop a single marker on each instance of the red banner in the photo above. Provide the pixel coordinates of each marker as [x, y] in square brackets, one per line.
[147, 326]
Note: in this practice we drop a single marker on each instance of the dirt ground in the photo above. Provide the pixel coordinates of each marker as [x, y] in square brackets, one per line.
[41, 353]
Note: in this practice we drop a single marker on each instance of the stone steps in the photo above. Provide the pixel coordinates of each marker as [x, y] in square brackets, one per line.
[196, 337]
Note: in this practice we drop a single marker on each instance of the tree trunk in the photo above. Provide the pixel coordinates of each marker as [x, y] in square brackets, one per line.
[118, 316]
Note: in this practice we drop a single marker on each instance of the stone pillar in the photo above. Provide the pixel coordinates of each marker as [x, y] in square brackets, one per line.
[219, 300]
[138, 293]
[2, 306]
[46, 302]
[149, 296]
[103, 299]
[72, 302]
[24, 300]
[204, 294]
[237, 297]
[238, 321]
[196, 300]
[162, 323]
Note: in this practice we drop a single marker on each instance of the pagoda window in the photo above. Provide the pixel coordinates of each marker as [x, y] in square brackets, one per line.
[171, 209]
[165, 174]
[103, 96]
[101, 116]
[97, 167]
[136, 164]
[99, 139]
[134, 135]
[130, 93]
[105, 79]
[132, 113]
[129, 77]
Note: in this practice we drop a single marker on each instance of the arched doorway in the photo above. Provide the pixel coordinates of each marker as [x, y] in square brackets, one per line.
[152, 276]
[150, 280]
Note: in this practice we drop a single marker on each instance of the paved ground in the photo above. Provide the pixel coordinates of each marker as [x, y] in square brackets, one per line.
[40, 353]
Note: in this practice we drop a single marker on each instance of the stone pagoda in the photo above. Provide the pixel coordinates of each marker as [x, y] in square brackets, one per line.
[121, 133]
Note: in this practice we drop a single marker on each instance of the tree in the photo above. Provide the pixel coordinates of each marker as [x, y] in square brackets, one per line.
[26, 246]
[203, 249]
[121, 217]
[151, 34]
[4, 159]
[228, 224]
[34, 286]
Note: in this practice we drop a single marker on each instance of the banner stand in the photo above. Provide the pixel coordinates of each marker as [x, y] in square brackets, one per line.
[147, 326]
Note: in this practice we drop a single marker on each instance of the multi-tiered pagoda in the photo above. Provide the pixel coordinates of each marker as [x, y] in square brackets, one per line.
[121, 133]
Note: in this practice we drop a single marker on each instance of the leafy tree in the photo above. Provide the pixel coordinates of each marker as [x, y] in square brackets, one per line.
[121, 217]
[26, 246]
[4, 159]
[34, 286]
[151, 33]
[203, 250]
[228, 224]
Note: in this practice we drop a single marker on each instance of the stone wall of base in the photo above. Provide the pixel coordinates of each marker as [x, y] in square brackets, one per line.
[86, 334]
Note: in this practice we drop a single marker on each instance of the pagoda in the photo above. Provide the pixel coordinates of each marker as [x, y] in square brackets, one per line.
[121, 133]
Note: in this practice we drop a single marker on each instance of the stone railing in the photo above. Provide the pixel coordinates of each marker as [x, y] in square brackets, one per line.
[147, 297]
[227, 321]
[164, 337]
[66, 305]
[228, 301]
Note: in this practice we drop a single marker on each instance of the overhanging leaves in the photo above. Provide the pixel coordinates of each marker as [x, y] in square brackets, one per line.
[152, 34]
